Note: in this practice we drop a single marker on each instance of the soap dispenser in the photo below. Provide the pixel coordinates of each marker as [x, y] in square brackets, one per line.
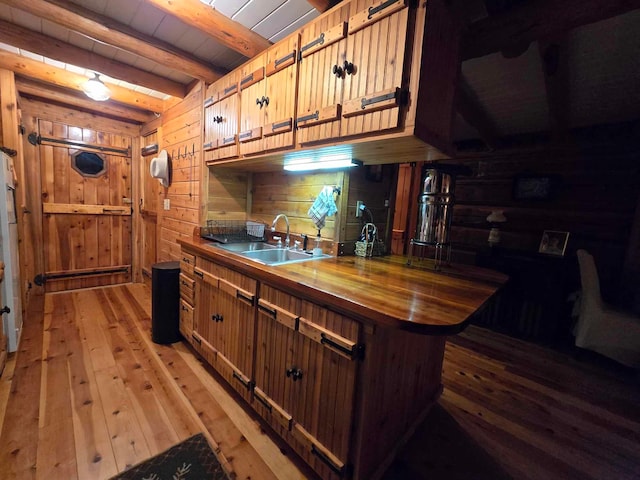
[317, 248]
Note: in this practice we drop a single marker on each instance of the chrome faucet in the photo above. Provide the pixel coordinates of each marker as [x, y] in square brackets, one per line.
[273, 227]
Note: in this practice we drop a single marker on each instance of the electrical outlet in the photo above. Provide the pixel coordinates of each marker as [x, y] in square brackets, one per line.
[167, 204]
[359, 208]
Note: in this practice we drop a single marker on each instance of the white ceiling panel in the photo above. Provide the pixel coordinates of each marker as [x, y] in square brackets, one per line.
[282, 17]
[54, 30]
[147, 19]
[229, 7]
[255, 11]
[98, 6]
[80, 41]
[26, 20]
[9, 48]
[296, 25]
[171, 30]
[121, 10]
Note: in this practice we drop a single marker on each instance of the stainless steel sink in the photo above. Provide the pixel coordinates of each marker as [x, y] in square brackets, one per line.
[245, 246]
[269, 254]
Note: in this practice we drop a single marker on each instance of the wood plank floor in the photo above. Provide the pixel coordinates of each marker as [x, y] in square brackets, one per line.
[89, 394]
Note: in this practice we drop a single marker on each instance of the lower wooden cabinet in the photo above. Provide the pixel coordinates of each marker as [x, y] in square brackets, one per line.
[224, 321]
[341, 393]
[305, 377]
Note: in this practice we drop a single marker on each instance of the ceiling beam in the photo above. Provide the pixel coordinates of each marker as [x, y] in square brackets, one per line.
[323, 5]
[211, 22]
[534, 20]
[63, 78]
[32, 88]
[55, 49]
[108, 31]
[470, 109]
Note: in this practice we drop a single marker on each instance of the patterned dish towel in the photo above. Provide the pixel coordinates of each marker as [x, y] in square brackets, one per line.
[324, 206]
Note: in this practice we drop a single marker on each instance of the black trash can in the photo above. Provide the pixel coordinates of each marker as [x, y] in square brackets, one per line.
[165, 302]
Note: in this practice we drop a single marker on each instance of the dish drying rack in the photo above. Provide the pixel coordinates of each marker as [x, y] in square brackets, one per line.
[231, 231]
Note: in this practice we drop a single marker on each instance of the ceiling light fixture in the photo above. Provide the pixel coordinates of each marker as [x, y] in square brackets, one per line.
[95, 89]
[325, 159]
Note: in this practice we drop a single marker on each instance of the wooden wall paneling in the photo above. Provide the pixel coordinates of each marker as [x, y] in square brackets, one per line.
[64, 115]
[373, 186]
[227, 194]
[182, 134]
[293, 194]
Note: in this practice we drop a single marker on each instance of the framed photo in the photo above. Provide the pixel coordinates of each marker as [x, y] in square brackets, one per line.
[532, 187]
[554, 243]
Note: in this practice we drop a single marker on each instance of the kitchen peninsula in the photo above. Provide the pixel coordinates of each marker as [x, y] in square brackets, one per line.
[342, 356]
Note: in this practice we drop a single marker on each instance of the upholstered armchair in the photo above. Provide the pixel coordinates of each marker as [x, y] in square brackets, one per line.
[601, 328]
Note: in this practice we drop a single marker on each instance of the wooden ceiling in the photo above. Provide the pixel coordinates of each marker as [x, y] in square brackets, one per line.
[150, 50]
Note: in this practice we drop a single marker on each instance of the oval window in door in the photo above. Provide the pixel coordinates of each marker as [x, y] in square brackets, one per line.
[88, 164]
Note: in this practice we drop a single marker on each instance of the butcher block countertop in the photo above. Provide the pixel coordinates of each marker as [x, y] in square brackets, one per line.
[383, 291]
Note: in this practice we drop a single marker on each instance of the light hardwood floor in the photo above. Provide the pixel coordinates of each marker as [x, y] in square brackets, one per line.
[89, 394]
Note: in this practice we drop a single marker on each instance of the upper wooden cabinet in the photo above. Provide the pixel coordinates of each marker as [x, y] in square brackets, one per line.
[268, 98]
[378, 75]
[221, 119]
[351, 71]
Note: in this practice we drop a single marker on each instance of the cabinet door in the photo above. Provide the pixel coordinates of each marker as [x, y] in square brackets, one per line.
[227, 111]
[373, 67]
[235, 336]
[206, 315]
[186, 320]
[322, 48]
[306, 364]
[282, 75]
[253, 102]
[211, 117]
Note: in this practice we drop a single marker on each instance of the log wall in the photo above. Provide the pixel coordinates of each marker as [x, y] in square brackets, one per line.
[594, 197]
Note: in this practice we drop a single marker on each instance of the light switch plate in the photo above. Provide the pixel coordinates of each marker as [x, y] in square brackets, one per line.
[167, 204]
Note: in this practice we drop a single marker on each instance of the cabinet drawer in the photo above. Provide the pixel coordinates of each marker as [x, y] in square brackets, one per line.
[187, 262]
[187, 288]
[186, 319]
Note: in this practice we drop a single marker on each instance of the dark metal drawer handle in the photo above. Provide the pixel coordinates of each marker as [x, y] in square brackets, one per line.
[269, 311]
[330, 343]
[217, 318]
[199, 274]
[379, 8]
[240, 379]
[326, 460]
[245, 298]
[286, 58]
[196, 339]
[266, 404]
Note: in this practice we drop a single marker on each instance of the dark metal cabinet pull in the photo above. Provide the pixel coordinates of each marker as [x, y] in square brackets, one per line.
[294, 373]
[349, 68]
[238, 377]
[326, 460]
[245, 298]
[338, 71]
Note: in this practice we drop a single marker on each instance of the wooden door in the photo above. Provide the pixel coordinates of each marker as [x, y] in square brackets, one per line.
[373, 67]
[86, 205]
[281, 83]
[322, 47]
[253, 103]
